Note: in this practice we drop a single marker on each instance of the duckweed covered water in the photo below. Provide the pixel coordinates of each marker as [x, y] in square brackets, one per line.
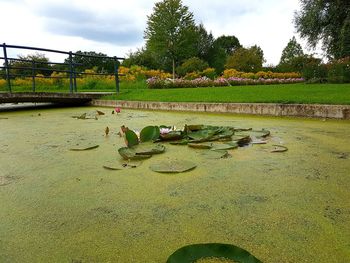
[59, 205]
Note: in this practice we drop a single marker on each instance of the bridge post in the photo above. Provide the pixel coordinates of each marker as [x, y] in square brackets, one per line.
[116, 74]
[7, 69]
[33, 76]
[70, 72]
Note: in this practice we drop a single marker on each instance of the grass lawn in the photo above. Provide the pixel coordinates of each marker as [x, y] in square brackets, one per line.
[283, 93]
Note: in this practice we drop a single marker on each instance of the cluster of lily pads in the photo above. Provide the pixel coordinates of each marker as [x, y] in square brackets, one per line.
[215, 140]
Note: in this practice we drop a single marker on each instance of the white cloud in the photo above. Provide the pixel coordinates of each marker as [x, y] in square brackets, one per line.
[116, 27]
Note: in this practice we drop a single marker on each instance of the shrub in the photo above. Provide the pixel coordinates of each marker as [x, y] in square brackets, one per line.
[209, 73]
[339, 71]
[192, 65]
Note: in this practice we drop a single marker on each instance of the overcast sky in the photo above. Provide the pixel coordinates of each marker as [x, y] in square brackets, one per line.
[116, 27]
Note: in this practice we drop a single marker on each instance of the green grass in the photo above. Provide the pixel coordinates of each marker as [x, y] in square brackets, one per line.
[282, 93]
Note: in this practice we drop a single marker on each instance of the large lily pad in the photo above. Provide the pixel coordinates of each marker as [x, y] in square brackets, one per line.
[130, 154]
[215, 154]
[191, 253]
[131, 138]
[171, 136]
[173, 166]
[149, 148]
[224, 146]
[149, 133]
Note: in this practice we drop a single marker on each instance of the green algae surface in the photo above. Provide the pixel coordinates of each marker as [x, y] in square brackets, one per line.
[59, 205]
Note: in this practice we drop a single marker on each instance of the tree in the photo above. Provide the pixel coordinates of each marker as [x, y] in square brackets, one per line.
[345, 38]
[291, 51]
[246, 59]
[171, 33]
[292, 58]
[205, 43]
[142, 57]
[228, 43]
[192, 65]
[322, 21]
[102, 64]
[24, 68]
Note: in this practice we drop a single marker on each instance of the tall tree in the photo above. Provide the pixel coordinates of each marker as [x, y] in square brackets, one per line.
[292, 57]
[228, 43]
[205, 42]
[171, 33]
[345, 38]
[291, 51]
[24, 68]
[321, 21]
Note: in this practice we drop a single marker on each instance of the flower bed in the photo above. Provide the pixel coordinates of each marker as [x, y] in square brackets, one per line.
[156, 83]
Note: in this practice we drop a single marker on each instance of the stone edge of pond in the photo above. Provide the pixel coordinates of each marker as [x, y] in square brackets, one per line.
[269, 109]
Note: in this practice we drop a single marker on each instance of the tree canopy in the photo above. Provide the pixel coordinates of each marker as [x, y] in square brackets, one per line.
[322, 21]
[246, 59]
[171, 33]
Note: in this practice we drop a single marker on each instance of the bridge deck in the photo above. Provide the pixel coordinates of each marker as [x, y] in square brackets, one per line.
[64, 98]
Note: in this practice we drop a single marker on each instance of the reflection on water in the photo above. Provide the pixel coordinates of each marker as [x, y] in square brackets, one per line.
[62, 206]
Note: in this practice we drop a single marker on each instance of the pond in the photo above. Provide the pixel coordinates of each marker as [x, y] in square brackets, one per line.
[59, 205]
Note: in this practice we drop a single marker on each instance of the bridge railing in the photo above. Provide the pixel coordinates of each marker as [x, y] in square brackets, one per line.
[70, 67]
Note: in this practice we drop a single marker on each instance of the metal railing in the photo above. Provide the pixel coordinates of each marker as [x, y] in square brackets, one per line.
[71, 71]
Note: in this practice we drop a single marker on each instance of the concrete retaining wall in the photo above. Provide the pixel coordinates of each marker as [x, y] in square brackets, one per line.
[302, 110]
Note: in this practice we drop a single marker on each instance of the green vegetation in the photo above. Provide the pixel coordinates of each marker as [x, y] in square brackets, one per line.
[289, 93]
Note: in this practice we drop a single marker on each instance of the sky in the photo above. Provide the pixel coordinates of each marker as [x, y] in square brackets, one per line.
[116, 27]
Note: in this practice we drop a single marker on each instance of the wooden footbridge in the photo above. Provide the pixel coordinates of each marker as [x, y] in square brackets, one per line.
[33, 69]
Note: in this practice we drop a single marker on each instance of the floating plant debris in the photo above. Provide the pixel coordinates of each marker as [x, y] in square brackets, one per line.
[279, 148]
[192, 253]
[85, 148]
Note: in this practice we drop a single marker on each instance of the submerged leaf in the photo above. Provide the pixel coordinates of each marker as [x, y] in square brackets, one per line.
[85, 148]
[224, 146]
[149, 133]
[192, 253]
[279, 148]
[173, 166]
[215, 154]
[200, 145]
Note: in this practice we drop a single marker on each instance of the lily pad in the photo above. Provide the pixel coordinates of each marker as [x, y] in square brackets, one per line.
[84, 148]
[130, 154]
[215, 154]
[224, 146]
[180, 142]
[131, 138]
[200, 145]
[149, 133]
[191, 253]
[149, 148]
[173, 166]
[121, 166]
[171, 136]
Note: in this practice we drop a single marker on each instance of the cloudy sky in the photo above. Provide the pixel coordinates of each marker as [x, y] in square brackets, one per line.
[116, 27]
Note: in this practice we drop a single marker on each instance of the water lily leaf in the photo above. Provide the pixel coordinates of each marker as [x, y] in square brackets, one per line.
[100, 112]
[171, 136]
[200, 145]
[130, 154]
[149, 133]
[84, 148]
[279, 148]
[112, 168]
[241, 139]
[190, 128]
[215, 154]
[192, 253]
[201, 135]
[131, 138]
[173, 166]
[148, 149]
[121, 166]
[180, 142]
[224, 146]
[258, 141]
